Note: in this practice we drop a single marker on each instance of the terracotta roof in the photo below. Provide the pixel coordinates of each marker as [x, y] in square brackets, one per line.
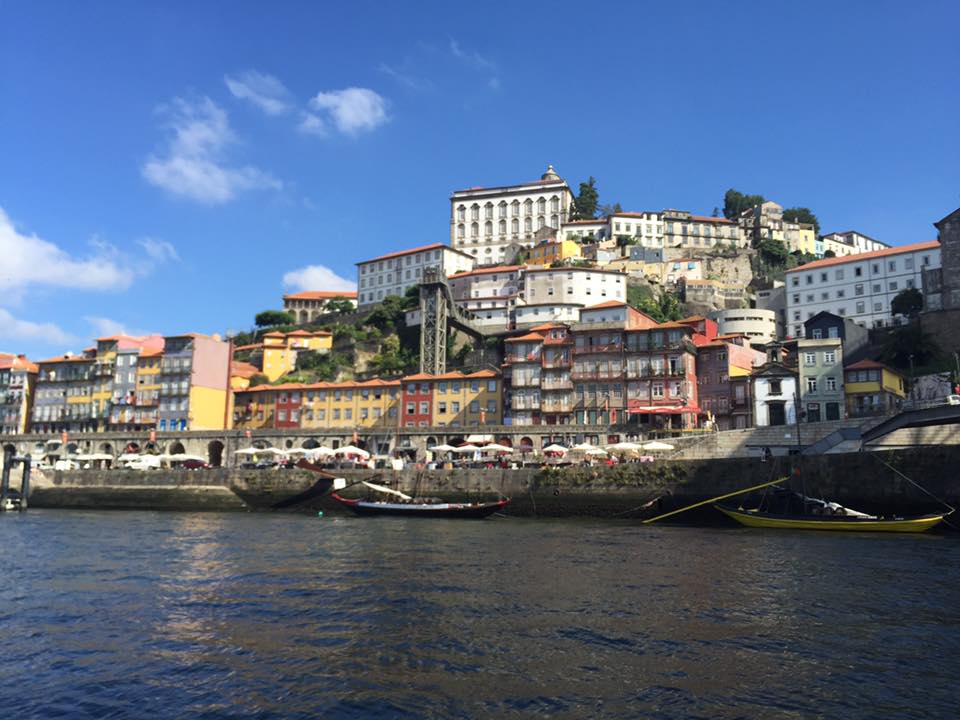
[529, 337]
[243, 369]
[418, 376]
[704, 218]
[156, 352]
[692, 318]
[870, 365]
[17, 362]
[607, 304]
[483, 374]
[377, 382]
[634, 213]
[322, 295]
[547, 326]
[488, 271]
[826, 262]
[64, 358]
[307, 333]
[423, 248]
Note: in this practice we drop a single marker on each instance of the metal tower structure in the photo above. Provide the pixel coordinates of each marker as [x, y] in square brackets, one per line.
[438, 313]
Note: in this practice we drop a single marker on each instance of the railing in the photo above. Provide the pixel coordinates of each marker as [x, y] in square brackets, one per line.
[526, 381]
[522, 357]
[557, 385]
[524, 403]
[557, 407]
[597, 374]
[563, 362]
[634, 373]
[590, 349]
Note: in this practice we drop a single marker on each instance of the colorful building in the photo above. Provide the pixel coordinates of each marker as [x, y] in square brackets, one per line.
[276, 355]
[549, 252]
[309, 305]
[821, 379]
[720, 362]
[18, 377]
[62, 402]
[872, 388]
[194, 382]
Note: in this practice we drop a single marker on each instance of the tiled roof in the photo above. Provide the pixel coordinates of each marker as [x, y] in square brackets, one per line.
[488, 271]
[64, 358]
[870, 365]
[603, 305]
[243, 369]
[322, 295]
[704, 218]
[826, 262]
[529, 337]
[17, 362]
[401, 253]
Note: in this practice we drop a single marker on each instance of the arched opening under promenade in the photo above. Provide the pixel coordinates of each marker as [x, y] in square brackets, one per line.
[176, 448]
[215, 453]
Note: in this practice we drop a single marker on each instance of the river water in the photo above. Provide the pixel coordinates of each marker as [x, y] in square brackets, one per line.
[164, 615]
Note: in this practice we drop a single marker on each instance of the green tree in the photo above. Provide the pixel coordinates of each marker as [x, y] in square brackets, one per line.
[258, 379]
[909, 343]
[829, 254]
[908, 302]
[606, 210]
[388, 315]
[411, 298]
[340, 305]
[270, 318]
[774, 252]
[661, 305]
[802, 215]
[735, 202]
[586, 203]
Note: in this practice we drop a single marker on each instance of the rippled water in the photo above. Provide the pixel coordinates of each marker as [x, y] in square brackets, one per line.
[162, 615]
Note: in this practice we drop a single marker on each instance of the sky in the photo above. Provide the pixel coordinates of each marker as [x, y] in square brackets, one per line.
[178, 166]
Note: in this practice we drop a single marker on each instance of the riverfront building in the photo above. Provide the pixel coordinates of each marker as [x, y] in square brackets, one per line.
[277, 354]
[774, 394]
[395, 273]
[723, 364]
[194, 383]
[872, 388]
[492, 224]
[821, 379]
[18, 377]
[309, 305]
[860, 287]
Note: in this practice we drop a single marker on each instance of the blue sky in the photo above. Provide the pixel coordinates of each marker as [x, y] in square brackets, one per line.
[164, 167]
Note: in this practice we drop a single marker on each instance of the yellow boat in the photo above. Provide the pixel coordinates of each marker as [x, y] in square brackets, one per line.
[755, 518]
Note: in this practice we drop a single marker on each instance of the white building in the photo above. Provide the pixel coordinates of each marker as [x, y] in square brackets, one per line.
[537, 313]
[860, 287]
[774, 395]
[491, 293]
[490, 223]
[760, 326]
[681, 229]
[585, 231]
[581, 286]
[851, 242]
[645, 228]
[394, 273]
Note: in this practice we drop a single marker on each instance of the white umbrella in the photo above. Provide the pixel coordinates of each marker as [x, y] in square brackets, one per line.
[181, 457]
[318, 452]
[128, 457]
[443, 448]
[259, 451]
[657, 445]
[583, 447]
[95, 456]
[555, 449]
[622, 447]
[466, 449]
[497, 448]
[352, 450]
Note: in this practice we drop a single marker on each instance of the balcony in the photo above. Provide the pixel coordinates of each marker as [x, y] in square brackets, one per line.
[556, 385]
[593, 349]
[555, 407]
[563, 362]
[610, 374]
[524, 403]
[525, 381]
[638, 373]
[533, 357]
[103, 369]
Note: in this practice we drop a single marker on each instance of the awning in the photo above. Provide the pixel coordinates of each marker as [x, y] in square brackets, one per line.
[663, 409]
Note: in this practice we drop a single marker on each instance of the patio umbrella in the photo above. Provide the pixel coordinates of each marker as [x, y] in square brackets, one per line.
[657, 445]
[351, 450]
[558, 449]
[624, 447]
[583, 447]
[442, 448]
[467, 448]
[497, 448]
[183, 457]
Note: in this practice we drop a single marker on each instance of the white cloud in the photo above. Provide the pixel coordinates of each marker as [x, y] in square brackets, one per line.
[159, 251]
[29, 260]
[352, 110]
[477, 62]
[312, 125]
[316, 277]
[106, 327]
[264, 91]
[194, 166]
[12, 328]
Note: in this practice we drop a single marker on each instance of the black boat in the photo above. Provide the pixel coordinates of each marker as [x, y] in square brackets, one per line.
[424, 509]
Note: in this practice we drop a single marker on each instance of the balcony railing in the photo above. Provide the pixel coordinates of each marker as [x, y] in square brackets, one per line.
[562, 362]
[525, 381]
[524, 403]
[613, 374]
[591, 349]
[522, 357]
[635, 373]
[557, 385]
[557, 407]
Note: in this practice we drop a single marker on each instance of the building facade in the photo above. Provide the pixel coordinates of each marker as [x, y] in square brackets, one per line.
[685, 230]
[821, 379]
[194, 383]
[18, 378]
[851, 242]
[941, 286]
[719, 363]
[860, 287]
[759, 326]
[872, 389]
[395, 273]
[307, 306]
[490, 223]
[774, 395]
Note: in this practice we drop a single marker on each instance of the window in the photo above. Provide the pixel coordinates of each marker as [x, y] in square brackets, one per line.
[474, 406]
[809, 279]
[876, 288]
[893, 286]
[657, 390]
[861, 308]
[839, 274]
[813, 412]
[491, 385]
[442, 408]
[411, 408]
[831, 383]
[809, 358]
[810, 297]
[892, 265]
[878, 307]
[825, 296]
[775, 387]
[424, 408]
[858, 289]
[829, 357]
[455, 407]
[823, 277]
[811, 384]
[841, 293]
[858, 271]
[817, 333]
[796, 281]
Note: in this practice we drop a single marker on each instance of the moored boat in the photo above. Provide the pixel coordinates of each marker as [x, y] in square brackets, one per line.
[858, 522]
[413, 508]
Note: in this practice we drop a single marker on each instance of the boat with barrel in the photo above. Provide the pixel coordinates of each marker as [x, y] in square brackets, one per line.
[397, 503]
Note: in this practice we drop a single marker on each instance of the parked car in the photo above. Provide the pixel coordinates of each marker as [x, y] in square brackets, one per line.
[195, 465]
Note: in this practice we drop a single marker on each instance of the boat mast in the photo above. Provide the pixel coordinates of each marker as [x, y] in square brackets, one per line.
[796, 417]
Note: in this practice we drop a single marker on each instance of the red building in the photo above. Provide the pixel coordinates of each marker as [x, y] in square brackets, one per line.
[417, 410]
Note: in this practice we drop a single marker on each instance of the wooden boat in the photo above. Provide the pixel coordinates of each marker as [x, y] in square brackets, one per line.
[857, 523]
[407, 506]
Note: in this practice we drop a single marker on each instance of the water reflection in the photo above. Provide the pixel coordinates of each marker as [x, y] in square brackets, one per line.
[293, 616]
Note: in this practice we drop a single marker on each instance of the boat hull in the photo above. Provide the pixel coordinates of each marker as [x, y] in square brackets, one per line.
[475, 511]
[751, 518]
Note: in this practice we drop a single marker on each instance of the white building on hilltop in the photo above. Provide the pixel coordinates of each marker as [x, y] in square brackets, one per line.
[395, 273]
[490, 224]
[860, 287]
[851, 242]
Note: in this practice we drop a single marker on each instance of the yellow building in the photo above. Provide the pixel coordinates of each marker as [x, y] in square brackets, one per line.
[550, 251]
[467, 400]
[148, 387]
[276, 355]
[806, 239]
[871, 388]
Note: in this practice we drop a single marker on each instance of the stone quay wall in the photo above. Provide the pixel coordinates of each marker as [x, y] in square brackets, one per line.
[860, 480]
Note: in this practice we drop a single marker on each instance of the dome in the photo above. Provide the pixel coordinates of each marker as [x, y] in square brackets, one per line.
[550, 174]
